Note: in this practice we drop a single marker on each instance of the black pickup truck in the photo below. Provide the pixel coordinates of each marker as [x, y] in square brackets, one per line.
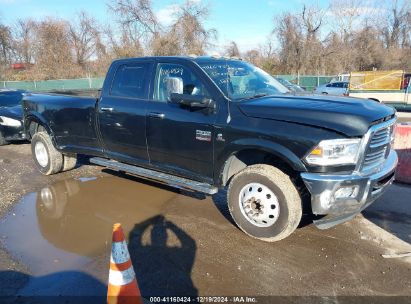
[205, 123]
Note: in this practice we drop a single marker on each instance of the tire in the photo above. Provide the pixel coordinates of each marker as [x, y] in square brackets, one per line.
[3, 141]
[279, 196]
[69, 162]
[47, 159]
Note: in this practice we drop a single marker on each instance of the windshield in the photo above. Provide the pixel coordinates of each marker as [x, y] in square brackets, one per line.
[240, 80]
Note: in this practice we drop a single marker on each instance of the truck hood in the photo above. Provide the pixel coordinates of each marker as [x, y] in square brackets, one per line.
[350, 116]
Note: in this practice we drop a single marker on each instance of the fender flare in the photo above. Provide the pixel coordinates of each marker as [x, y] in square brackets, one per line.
[35, 117]
[224, 160]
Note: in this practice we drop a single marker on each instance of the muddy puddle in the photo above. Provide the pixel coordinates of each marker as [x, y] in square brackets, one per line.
[67, 225]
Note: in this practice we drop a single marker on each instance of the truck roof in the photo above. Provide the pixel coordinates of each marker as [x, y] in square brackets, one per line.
[182, 58]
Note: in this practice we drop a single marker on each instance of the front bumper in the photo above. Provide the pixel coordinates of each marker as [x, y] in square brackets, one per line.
[338, 210]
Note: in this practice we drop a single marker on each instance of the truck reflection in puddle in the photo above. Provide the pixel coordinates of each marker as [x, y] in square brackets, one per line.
[67, 227]
[77, 216]
[66, 224]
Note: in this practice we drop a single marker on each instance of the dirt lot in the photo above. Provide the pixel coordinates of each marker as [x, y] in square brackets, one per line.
[55, 235]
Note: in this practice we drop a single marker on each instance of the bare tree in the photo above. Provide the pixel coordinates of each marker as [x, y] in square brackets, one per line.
[347, 14]
[166, 44]
[53, 56]
[136, 19]
[290, 37]
[84, 37]
[368, 49]
[24, 37]
[253, 56]
[232, 50]
[5, 49]
[121, 44]
[189, 28]
[5, 44]
[397, 23]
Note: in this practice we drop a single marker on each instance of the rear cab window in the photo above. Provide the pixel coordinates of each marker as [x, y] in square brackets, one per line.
[131, 81]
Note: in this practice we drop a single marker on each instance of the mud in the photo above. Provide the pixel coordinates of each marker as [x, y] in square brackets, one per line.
[393, 215]
[185, 244]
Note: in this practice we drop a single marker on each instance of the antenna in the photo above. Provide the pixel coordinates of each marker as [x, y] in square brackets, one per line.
[227, 88]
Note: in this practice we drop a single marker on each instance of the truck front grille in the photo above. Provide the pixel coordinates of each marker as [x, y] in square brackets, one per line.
[378, 147]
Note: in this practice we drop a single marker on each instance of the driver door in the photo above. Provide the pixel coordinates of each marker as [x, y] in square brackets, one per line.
[180, 139]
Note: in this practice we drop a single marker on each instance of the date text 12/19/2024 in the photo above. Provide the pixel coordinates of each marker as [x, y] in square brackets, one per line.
[237, 299]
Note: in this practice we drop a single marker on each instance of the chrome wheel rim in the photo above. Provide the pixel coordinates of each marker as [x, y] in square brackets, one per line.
[41, 154]
[259, 205]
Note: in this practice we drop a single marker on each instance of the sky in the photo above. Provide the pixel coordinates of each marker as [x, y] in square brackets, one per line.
[248, 22]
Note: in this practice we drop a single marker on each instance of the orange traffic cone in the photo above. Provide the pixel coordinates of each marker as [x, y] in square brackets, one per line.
[122, 283]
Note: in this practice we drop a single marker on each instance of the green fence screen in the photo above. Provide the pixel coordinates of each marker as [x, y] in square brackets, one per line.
[307, 82]
[50, 85]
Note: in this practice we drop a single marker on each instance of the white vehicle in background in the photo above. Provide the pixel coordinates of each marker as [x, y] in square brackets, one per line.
[389, 87]
[341, 78]
[333, 88]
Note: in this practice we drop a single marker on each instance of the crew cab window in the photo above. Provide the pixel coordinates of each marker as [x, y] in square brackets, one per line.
[130, 81]
[176, 78]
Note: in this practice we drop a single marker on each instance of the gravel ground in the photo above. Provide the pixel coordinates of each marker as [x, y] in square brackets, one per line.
[18, 176]
[219, 259]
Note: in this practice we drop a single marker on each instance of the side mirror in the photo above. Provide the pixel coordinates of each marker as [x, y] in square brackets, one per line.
[193, 101]
[174, 85]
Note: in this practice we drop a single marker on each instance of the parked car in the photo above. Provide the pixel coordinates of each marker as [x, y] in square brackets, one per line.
[333, 88]
[208, 123]
[344, 77]
[11, 116]
[291, 86]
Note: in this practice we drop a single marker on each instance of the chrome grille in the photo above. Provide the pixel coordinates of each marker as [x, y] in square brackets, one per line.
[378, 147]
[380, 138]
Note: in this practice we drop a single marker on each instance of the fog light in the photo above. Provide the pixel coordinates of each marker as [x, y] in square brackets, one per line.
[346, 192]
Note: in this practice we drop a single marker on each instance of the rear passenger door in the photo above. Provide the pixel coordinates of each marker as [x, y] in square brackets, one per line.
[122, 112]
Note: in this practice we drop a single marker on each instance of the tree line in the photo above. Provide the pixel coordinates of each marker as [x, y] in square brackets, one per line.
[358, 37]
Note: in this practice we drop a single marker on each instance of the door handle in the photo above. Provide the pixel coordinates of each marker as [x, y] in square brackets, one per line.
[157, 115]
[107, 109]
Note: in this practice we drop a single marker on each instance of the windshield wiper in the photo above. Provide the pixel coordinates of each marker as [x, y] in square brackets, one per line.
[255, 96]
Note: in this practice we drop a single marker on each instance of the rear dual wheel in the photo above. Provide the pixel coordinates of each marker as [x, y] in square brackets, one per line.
[47, 158]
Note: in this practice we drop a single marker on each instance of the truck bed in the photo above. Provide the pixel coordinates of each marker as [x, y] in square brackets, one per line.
[78, 93]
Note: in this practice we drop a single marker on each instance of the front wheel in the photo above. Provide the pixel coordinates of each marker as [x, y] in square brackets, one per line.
[47, 159]
[264, 203]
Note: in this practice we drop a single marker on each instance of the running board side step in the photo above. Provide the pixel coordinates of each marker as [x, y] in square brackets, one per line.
[171, 180]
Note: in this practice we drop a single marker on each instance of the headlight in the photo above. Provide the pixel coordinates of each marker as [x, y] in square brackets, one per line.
[9, 122]
[335, 152]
